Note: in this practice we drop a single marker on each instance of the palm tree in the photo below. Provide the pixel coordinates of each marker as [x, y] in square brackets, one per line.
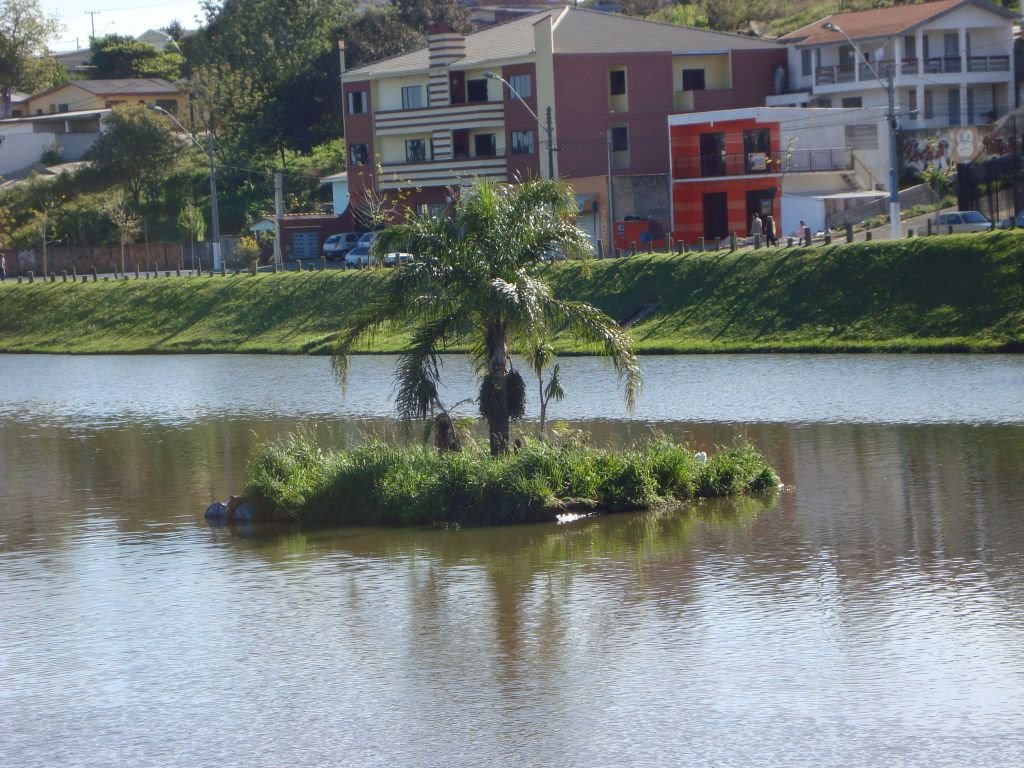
[479, 277]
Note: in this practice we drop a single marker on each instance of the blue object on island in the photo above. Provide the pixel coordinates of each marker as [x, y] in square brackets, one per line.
[217, 511]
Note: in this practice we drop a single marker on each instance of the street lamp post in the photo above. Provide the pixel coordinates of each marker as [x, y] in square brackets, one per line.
[895, 226]
[214, 213]
[546, 127]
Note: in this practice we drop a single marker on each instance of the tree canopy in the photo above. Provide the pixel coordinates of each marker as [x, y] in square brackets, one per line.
[122, 56]
[479, 276]
[24, 30]
[136, 149]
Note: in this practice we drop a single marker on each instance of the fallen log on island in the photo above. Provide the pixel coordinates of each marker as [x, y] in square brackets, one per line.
[294, 480]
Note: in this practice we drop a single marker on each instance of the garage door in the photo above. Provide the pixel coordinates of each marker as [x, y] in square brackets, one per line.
[305, 245]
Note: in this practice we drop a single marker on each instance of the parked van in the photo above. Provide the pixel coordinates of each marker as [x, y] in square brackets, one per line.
[336, 246]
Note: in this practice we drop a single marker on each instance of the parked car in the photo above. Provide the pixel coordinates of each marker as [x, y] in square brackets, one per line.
[336, 246]
[1018, 221]
[964, 221]
[359, 256]
[396, 258]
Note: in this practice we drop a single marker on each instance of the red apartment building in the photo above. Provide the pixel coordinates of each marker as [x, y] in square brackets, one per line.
[599, 86]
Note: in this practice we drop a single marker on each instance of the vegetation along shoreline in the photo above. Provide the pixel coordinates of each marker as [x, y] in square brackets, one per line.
[956, 293]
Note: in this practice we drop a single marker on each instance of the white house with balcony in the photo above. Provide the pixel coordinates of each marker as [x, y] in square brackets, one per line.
[950, 63]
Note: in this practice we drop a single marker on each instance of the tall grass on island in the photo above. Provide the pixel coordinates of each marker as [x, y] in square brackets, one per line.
[384, 485]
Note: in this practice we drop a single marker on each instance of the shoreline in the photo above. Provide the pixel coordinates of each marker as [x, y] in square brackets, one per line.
[954, 294]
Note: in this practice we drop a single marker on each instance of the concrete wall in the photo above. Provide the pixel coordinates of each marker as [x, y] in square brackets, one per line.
[20, 150]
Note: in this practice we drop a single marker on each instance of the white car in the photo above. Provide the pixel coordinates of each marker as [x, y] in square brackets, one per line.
[360, 255]
[964, 221]
[336, 246]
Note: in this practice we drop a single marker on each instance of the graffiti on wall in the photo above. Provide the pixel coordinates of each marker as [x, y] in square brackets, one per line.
[946, 147]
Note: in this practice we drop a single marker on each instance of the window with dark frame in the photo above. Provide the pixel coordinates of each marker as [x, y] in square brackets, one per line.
[620, 138]
[853, 102]
[484, 145]
[476, 90]
[356, 102]
[522, 142]
[415, 150]
[359, 154]
[168, 105]
[412, 97]
[617, 82]
[693, 79]
[806, 62]
[521, 84]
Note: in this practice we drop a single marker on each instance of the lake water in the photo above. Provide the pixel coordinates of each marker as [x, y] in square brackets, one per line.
[872, 613]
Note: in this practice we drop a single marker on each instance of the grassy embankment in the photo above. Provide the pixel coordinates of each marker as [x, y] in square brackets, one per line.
[378, 484]
[955, 292]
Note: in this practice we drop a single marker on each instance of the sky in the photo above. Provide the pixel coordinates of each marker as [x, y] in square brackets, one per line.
[121, 17]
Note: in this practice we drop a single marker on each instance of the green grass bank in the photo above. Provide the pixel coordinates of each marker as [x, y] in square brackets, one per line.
[949, 293]
[378, 484]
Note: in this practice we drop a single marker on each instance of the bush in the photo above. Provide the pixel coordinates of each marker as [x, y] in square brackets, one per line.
[378, 484]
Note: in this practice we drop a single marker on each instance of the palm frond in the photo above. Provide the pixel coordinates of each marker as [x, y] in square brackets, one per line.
[591, 325]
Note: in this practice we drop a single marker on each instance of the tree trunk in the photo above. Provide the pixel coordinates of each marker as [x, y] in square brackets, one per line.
[497, 365]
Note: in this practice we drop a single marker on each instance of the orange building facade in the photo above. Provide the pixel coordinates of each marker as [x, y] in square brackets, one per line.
[722, 173]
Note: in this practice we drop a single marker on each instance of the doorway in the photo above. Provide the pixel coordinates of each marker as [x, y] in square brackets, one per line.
[716, 215]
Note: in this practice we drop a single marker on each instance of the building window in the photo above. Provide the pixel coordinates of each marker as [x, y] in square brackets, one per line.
[805, 62]
[912, 101]
[62, 107]
[358, 154]
[853, 102]
[415, 150]
[617, 82]
[929, 107]
[476, 90]
[356, 102]
[620, 138]
[521, 84]
[910, 47]
[693, 79]
[712, 154]
[484, 145]
[522, 142]
[168, 105]
[412, 97]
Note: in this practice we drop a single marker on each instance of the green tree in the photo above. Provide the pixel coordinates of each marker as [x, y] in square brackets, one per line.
[378, 33]
[192, 223]
[479, 276]
[136, 150]
[423, 14]
[128, 223]
[122, 56]
[24, 30]
[267, 73]
[540, 354]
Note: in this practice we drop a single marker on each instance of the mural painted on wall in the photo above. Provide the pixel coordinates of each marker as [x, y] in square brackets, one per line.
[946, 147]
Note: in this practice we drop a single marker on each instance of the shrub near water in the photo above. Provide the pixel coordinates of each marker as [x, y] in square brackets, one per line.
[378, 484]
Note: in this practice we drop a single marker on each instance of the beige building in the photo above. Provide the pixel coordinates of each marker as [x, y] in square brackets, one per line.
[84, 95]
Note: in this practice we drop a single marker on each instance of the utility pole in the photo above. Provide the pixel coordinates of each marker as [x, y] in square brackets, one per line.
[278, 215]
[895, 225]
[92, 20]
[610, 247]
[548, 128]
[551, 147]
[214, 213]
